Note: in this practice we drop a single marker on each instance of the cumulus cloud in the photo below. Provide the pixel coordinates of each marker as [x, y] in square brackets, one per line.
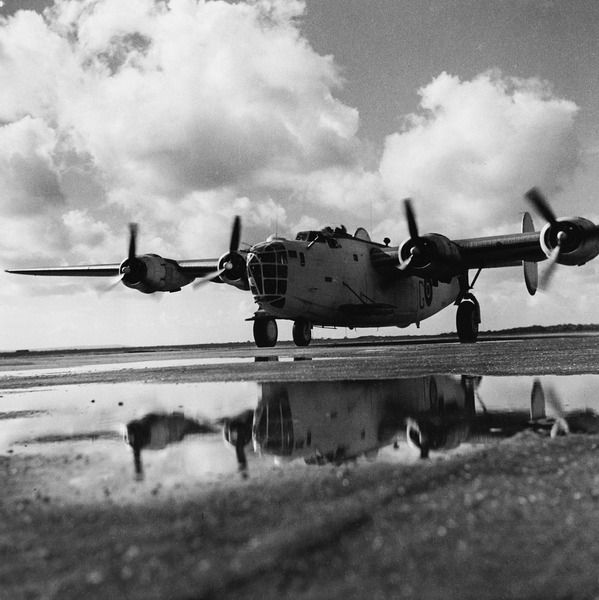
[116, 110]
[476, 146]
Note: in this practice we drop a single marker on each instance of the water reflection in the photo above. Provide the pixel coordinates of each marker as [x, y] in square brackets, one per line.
[332, 422]
[156, 431]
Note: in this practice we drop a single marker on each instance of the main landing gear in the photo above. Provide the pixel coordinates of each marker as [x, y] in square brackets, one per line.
[302, 332]
[266, 332]
[468, 319]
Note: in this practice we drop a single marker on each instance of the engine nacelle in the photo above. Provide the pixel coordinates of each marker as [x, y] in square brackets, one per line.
[577, 246]
[235, 270]
[151, 273]
[433, 253]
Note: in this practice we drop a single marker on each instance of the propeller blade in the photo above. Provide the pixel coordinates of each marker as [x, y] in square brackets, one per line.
[207, 278]
[132, 240]
[538, 200]
[411, 218]
[235, 235]
[547, 273]
[560, 426]
[405, 264]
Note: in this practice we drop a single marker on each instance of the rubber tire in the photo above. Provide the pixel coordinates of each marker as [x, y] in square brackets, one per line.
[265, 333]
[302, 332]
[467, 322]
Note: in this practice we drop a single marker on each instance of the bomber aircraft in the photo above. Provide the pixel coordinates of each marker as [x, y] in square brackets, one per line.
[332, 278]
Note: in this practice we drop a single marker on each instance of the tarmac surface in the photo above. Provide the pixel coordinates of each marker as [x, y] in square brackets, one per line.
[489, 499]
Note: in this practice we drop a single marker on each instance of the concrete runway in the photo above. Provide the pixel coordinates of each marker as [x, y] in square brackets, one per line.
[534, 355]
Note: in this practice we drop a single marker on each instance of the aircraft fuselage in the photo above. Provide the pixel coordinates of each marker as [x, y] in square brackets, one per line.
[331, 281]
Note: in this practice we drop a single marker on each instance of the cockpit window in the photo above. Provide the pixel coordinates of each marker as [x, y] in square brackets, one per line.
[310, 236]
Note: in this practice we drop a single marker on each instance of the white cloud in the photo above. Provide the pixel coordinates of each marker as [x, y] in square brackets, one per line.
[477, 146]
[118, 110]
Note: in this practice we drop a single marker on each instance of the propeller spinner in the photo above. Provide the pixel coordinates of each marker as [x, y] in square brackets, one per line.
[562, 234]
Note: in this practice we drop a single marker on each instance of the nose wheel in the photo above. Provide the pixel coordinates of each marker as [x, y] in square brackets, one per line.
[468, 319]
[302, 332]
[265, 332]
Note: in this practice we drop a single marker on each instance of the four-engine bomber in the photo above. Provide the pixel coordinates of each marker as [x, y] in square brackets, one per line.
[329, 277]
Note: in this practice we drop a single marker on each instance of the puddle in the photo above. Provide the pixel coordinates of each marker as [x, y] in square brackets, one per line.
[120, 366]
[211, 431]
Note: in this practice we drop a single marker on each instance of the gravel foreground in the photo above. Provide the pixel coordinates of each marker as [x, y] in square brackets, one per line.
[515, 520]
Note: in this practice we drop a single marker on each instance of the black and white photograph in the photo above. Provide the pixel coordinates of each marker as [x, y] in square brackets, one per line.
[298, 299]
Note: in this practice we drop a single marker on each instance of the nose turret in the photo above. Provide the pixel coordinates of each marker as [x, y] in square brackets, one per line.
[267, 271]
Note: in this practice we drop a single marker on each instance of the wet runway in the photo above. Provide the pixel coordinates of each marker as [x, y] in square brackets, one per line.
[215, 414]
[413, 470]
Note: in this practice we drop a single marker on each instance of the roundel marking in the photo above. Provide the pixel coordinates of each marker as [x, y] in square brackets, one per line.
[428, 291]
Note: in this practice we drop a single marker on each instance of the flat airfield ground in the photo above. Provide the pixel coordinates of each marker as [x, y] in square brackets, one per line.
[519, 519]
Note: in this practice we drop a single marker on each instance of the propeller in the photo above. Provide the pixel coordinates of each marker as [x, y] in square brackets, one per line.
[230, 261]
[418, 247]
[538, 200]
[132, 240]
[132, 269]
[540, 203]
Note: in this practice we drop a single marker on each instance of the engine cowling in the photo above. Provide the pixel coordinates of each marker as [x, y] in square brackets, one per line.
[578, 242]
[151, 273]
[235, 270]
[433, 253]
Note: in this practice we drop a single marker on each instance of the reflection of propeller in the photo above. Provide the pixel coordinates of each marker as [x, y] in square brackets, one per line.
[231, 264]
[541, 394]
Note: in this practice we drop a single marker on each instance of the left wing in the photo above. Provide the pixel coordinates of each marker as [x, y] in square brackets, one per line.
[150, 273]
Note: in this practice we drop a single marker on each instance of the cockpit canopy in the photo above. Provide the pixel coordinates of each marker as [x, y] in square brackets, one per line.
[323, 234]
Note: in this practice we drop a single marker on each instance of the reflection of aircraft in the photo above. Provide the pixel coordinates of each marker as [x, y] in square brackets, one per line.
[156, 431]
[335, 421]
[338, 421]
[332, 278]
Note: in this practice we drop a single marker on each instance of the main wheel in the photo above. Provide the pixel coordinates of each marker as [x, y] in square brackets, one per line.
[467, 322]
[265, 332]
[302, 332]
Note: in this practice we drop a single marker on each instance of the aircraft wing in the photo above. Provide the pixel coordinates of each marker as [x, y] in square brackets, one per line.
[192, 268]
[568, 241]
[199, 267]
[455, 256]
[500, 250]
[107, 270]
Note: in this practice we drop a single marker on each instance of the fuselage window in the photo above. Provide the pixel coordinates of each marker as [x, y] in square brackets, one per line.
[328, 279]
[356, 257]
[302, 259]
[292, 254]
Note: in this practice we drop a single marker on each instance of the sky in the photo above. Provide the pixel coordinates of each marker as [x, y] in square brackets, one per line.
[292, 114]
